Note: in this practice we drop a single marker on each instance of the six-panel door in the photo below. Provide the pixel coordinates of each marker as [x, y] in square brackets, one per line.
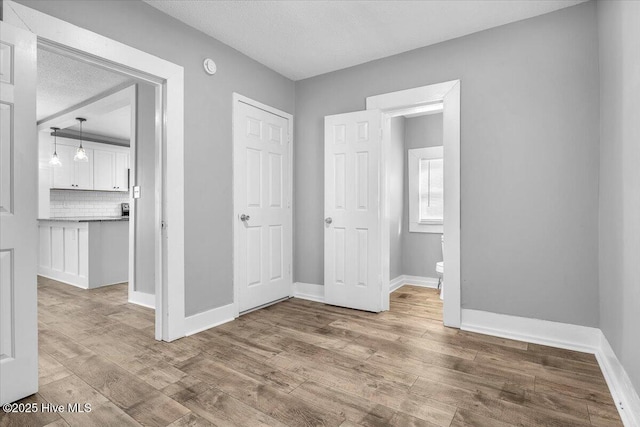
[352, 251]
[262, 182]
[18, 211]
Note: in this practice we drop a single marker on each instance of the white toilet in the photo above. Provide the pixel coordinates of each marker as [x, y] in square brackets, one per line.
[440, 270]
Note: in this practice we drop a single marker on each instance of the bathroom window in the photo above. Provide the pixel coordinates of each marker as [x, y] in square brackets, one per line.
[426, 190]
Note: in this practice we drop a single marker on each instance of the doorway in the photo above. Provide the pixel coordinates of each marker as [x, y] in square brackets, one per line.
[262, 215]
[24, 30]
[416, 214]
[93, 232]
[444, 97]
[167, 78]
[358, 197]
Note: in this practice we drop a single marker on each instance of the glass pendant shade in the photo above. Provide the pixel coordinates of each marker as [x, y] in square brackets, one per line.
[55, 160]
[81, 155]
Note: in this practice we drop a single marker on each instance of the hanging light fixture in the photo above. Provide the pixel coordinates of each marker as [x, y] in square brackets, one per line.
[55, 160]
[81, 155]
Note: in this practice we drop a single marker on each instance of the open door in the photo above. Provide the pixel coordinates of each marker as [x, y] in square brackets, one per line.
[352, 237]
[18, 211]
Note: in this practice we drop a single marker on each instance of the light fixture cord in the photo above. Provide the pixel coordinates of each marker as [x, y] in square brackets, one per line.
[80, 134]
[55, 142]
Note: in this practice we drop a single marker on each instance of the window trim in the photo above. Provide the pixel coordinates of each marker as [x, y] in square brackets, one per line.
[414, 156]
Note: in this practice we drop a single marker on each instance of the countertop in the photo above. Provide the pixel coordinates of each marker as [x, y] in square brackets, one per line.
[87, 218]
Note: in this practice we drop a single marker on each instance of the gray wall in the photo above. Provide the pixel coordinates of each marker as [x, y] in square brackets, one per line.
[420, 251]
[530, 151]
[207, 124]
[396, 166]
[620, 180]
[145, 212]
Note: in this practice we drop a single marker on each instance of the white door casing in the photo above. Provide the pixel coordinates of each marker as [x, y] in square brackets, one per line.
[18, 212]
[443, 96]
[352, 256]
[262, 182]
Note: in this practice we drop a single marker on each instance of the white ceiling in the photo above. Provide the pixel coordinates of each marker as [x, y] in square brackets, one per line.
[64, 82]
[301, 39]
[114, 124]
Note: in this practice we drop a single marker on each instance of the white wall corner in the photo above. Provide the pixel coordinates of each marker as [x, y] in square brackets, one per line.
[143, 299]
[624, 394]
[425, 282]
[208, 319]
[308, 291]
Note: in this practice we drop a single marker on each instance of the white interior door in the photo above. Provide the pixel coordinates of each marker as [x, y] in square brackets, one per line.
[18, 211]
[352, 251]
[262, 182]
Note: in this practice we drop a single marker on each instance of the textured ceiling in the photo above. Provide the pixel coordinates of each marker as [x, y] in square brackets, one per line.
[301, 39]
[64, 82]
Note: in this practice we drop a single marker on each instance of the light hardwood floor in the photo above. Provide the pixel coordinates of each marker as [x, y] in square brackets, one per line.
[300, 363]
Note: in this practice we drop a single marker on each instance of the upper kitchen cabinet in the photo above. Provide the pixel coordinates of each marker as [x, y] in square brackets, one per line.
[106, 170]
[122, 171]
[111, 170]
[73, 175]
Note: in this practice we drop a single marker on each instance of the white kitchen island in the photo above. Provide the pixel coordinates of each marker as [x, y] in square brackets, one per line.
[84, 252]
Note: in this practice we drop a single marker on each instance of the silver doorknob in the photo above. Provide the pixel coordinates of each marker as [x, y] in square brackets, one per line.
[328, 220]
[244, 217]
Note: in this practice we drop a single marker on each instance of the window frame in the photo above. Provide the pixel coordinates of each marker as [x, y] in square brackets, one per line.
[414, 156]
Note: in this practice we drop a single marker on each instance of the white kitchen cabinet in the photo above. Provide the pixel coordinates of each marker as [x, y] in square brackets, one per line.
[84, 172]
[106, 170]
[103, 169]
[84, 252]
[73, 175]
[63, 175]
[121, 171]
[111, 170]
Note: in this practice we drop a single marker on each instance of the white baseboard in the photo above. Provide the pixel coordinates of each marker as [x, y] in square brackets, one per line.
[67, 279]
[308, 291]
[624, 394]
[404, 279]
[143, 299]
[208, 319]
[567, 336]
[554, 334]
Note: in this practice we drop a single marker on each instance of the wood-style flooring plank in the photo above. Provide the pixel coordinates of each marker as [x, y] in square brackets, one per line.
[301, 363]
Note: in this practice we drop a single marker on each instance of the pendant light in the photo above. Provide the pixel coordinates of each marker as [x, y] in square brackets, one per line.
[55, 160]
[81, 155]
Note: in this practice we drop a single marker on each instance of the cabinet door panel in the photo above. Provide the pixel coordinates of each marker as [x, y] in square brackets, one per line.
[122, 171]
[63, 176]
[84, 172]
[104, 163]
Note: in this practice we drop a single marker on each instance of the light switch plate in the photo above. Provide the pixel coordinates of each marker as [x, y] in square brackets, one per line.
[136, 191]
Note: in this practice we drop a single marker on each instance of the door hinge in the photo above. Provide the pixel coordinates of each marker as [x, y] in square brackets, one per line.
[163, 225]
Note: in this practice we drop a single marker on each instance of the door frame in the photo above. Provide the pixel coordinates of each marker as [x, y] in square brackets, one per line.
[428, 98]
[168, 78]
[236, 99]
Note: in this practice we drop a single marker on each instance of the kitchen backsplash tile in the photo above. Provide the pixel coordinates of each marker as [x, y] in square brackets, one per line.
[73, 203]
